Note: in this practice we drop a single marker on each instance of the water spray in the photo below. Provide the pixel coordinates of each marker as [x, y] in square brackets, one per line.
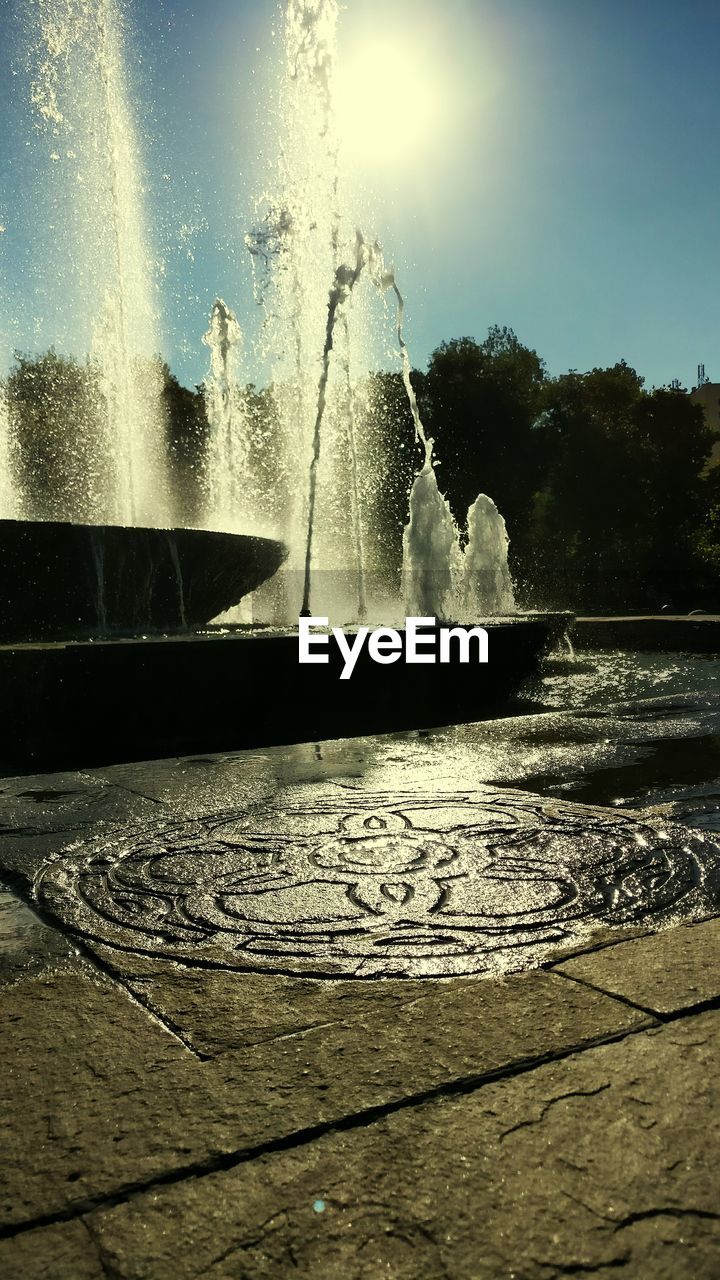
[346, 277]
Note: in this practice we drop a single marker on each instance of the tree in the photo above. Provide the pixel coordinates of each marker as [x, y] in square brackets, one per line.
[612, 523]
[187, 434]
[54, 404]
[481, 402]
[600, 481]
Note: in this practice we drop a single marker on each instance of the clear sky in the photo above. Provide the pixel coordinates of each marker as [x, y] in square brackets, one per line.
[565, 181]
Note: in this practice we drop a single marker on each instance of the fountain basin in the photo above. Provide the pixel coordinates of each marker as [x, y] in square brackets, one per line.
[93, 703]
[73, 581]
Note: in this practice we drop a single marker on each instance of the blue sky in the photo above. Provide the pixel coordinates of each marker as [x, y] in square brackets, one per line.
[570, 187]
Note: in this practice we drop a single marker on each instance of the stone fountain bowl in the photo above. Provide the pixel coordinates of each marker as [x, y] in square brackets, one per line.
[72, 581]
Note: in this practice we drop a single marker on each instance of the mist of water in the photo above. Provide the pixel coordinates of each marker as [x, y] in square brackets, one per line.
[9, 498]
[346, 277]
[304, 250]
[431, 541]
[229, 439]
[350, 416]
[308, 259]
[439, 580]
[298, 257]
[80, 93]
[384, 278]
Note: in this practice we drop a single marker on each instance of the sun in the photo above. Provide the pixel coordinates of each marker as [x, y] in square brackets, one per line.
[391, 103]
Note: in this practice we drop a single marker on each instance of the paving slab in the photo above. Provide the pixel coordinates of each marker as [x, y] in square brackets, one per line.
[608, 753]
[602, 1163]
[100, 1095]
[522, 1178]
[64, 1251]
[629, 751]
[206, 783]
[674, 971]
[28, 947]
[93, 1093]
[469, 1025]
[64, 802]
[228, 960]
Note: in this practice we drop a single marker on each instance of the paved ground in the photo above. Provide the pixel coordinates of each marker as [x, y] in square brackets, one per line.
[261, 1071]
[692, 633]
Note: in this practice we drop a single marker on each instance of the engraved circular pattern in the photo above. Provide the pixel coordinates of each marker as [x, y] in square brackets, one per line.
[365, 886]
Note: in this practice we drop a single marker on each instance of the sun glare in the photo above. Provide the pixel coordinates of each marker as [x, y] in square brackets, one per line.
[391, 104]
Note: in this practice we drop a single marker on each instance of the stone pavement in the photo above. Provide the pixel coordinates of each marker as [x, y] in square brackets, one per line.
[346, 1011]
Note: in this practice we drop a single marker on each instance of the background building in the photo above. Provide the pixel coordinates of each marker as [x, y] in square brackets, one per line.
[708, 395]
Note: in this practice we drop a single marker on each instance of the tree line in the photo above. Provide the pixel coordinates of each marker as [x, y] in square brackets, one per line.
[602, 482]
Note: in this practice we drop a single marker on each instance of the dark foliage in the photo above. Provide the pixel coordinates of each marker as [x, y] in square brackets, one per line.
[600, 481]
[54, 405]
[187, 433]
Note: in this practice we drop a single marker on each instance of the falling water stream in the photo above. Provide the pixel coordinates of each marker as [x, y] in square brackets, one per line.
[115, 354]
[346, 277]
[227, 462]
[351, 423]
[298, 244]
[9, 503]
[431, 549]
[305, 256]
[80, 91]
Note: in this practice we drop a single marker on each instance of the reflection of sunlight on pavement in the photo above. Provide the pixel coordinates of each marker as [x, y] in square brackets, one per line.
[376, 884]
[597, 678]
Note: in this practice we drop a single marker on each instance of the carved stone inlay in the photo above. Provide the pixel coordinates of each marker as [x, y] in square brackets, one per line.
[371, 885]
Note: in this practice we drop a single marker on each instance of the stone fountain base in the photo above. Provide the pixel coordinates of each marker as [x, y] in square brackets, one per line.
[92, 703]
[69, 580]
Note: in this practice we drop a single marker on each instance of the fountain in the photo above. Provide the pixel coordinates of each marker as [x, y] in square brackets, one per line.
[236, 497]
[430, 551]
[123, 661]
[79, 91]
[227, 463]
[114, 565]
[64, 582]
[310, 259]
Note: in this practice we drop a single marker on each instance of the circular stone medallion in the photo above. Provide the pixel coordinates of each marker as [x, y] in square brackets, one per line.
[370, 885]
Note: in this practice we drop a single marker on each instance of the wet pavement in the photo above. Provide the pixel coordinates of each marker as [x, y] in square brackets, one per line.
[330, 882]
[602, 678]
[433, 1004]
